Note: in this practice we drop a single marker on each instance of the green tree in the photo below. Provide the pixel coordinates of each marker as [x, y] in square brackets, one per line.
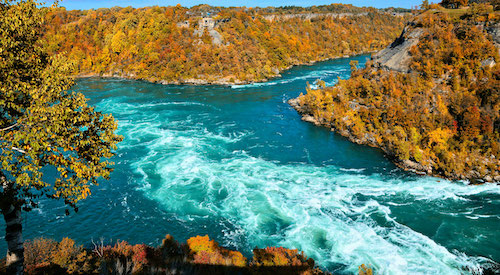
[44, 129]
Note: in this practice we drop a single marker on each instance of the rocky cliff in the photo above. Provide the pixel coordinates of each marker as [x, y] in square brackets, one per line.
[397, 57]
[430, 100]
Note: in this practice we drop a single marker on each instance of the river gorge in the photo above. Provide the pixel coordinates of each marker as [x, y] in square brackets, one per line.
[237, 163]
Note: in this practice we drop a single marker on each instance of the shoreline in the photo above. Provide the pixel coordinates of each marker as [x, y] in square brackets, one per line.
[204, 82]
[407, 165]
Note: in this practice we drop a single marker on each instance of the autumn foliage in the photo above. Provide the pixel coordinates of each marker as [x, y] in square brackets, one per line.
[52, 256]
[443, 117]
[279, 256]
[206, 251]
[199, 255]
[167, 44]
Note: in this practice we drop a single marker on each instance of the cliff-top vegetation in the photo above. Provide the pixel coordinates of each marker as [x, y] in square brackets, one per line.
[436, 109]
[207, 44]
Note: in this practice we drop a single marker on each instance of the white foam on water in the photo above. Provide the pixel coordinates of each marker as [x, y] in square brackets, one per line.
[312, 208]
[311, 76]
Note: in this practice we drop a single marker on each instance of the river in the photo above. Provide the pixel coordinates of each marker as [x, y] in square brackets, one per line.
[237, 163]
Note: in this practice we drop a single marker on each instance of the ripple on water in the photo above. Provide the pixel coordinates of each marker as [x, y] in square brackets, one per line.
[239, 164]
[336, 215]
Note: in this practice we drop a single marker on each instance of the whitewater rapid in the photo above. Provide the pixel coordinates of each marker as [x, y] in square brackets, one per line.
[340, 217]
[238, 164]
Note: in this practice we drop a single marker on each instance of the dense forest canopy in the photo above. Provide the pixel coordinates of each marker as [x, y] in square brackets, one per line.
[207, 44]
[443, 117]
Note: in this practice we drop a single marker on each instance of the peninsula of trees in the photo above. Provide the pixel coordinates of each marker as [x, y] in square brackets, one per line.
[431, 100]
[205, 44]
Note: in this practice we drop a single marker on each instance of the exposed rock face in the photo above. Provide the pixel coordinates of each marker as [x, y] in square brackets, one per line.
[490, 62]
[184, 24]
[397, 57]
[209, 24]
[309, 16]
[494, 31]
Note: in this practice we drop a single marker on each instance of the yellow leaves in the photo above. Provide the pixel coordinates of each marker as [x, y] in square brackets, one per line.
[439, 137]
[85, 192]
[206, 251]
[279, 256]
[201, 243]
[365, 270]
[248, 43]
[422, 118]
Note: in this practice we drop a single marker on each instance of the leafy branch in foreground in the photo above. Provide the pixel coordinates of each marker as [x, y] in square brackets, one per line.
[46, 131]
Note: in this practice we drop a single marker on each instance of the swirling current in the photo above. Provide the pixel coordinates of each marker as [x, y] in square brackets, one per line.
[237, 163]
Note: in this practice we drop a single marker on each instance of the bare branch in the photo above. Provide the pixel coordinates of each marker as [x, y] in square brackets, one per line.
[98, 247]
[8, 128]
[19, 150]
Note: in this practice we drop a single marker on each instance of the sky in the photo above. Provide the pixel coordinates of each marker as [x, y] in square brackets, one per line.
[94, 4]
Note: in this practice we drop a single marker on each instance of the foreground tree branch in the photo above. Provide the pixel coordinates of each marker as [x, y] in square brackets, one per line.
[34, 90]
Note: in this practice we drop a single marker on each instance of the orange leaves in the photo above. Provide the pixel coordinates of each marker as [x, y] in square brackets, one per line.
[206, 251]
[139, 257]
[439, 137]
[85, 192]
[365, 270]
[148, 44]
[446, 107]
[279, 256]
[201, 243]
[43, 256]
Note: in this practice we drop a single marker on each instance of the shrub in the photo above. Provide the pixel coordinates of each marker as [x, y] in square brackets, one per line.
[364, 270]
[139, 259]
[48, 256]
[38, 253]
[206, 251]
[279, 256]
[200, 256]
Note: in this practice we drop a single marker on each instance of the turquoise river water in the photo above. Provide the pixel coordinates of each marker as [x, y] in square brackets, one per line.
[237, 163]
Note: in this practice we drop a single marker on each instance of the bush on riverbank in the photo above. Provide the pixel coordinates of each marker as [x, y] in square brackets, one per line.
[199, 255]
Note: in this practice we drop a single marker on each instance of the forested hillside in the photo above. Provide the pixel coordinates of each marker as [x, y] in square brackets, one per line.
[214, 45]
[431, 100]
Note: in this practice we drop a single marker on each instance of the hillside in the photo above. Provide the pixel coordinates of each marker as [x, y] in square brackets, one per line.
[215, 45]
[430, 100]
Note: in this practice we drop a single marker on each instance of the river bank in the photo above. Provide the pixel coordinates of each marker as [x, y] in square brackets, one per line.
[212, 80]
[238, 164]
[407, 165]
[417, 114]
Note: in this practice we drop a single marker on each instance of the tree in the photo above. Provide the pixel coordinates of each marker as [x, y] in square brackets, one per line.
[44, 129]
[496, 4]
[454, 4]
[425, 5]
[118, 42]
